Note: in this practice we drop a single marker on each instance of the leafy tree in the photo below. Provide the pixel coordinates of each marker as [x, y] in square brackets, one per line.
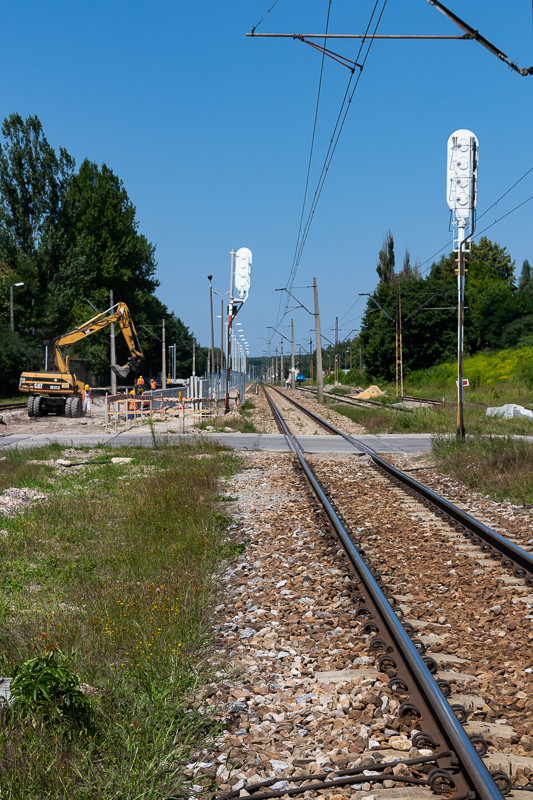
[496, 311]
[71, 236]
[33, 178]
[386, 260]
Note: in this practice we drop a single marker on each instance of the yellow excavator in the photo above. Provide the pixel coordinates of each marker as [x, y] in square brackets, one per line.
[60, 390]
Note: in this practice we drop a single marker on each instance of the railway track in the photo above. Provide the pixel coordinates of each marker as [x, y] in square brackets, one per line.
[352, 401]
[452, 762]
[13, 406]
[491, 542]
[366, 403]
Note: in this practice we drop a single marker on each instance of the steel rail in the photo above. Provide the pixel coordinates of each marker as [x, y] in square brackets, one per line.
[475, 773]
[12, 406]
[353, 401]
[500, 547]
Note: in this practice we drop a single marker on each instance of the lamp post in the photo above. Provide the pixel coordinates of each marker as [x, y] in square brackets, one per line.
[210, 278]
[241, 263]
[11, 314]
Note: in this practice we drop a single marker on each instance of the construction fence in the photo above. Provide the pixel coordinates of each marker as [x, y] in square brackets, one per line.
[194, 400]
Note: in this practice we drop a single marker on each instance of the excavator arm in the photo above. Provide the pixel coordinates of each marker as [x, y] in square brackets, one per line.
[118, 314]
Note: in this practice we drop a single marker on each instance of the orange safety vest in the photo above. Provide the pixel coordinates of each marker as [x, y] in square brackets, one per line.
[85, 393]
[152, 384]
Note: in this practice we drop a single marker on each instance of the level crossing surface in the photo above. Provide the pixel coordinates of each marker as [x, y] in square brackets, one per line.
[387, 443]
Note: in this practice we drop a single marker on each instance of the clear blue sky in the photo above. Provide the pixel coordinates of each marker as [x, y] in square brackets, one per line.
[210, 133]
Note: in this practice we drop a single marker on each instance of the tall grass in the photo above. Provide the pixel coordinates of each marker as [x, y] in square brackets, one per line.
[117, 575]
[500, 467]
[442, 419]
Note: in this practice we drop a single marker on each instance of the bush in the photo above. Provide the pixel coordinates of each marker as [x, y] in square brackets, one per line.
[45, 687]
[487, 368]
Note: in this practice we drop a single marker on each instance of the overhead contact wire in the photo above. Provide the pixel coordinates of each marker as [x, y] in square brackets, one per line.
[339, 125]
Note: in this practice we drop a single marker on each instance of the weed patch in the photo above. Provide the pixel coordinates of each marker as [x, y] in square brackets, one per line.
[500, 467]
[105, 622]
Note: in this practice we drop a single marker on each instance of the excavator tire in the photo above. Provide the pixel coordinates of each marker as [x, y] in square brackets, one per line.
[37, 407]
[30, 406]
[68, 406]
[76, 408]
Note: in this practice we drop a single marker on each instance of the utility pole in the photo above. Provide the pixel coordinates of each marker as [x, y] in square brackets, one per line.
[281, 363]
[194, 358]
[400, 327]
[292, 355]
[319, 375]
[163, 357]
[310, 361]
[112, 347]
[396, 339]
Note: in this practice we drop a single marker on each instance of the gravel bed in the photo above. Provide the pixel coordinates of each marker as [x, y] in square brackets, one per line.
[338, 420]
[513, 521]
[287, 619]
[295, 682]
[261, 414]
[465, 605]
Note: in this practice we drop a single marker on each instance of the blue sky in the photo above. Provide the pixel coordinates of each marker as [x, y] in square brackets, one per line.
[210, 132]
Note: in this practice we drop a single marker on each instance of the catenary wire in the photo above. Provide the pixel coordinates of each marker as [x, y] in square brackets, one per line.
[339, 124]
[495, 203]
[265, 15]
[315, 123]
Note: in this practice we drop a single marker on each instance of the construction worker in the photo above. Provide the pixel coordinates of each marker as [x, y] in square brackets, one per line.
[152, 384]
[131, 405]
[140, 383]
[86, 400]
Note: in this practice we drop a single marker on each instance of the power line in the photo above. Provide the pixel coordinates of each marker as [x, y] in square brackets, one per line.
[506, 193]
[337, 130]
[504, 216]
[357, 300]
[265, 15]
[339, 125]
[312, 147]
[479, 216]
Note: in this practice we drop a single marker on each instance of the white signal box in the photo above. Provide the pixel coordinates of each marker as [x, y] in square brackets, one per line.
[461, 180]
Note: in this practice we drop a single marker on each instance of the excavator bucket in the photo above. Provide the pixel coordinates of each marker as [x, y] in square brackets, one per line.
[123, 371]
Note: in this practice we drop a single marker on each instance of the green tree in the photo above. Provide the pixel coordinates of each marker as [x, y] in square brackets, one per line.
[33, 178]
[386, 260]
[496, 311]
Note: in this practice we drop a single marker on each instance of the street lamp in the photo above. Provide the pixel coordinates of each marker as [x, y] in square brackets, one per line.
[210, 278]
[11, 316]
